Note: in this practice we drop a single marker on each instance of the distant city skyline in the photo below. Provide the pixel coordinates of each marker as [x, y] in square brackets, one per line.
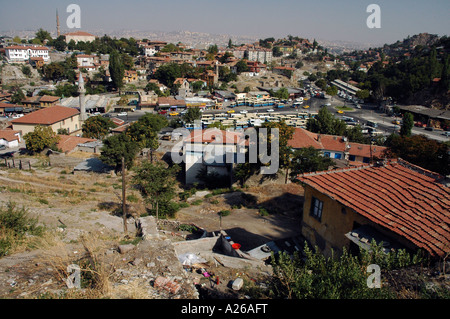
[326, 19]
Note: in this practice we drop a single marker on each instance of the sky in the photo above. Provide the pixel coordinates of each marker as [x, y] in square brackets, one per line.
[331, 20]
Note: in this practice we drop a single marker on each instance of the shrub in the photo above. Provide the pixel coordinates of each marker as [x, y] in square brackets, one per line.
[15, 224]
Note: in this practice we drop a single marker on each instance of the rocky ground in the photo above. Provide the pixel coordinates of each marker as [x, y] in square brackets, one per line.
[84, 227]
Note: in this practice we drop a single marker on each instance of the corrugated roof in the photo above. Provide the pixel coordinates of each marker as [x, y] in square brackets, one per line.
[399, 196]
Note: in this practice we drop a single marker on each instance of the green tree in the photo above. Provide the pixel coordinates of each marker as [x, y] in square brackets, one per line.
[407, 125]
[156, 183]
[59, 43]
[18, 96]
[54, 71]
[41, 138]
[117, 146]
[144, 132]
[192, 114]
[285, 135]
[117, 70]
[332, 90]
[326, 123]
[363, 94]
[241, 66]
[276, 51]
[421, 151]
[168, 73]
[43, 35]
[307, 160]
[97, 127]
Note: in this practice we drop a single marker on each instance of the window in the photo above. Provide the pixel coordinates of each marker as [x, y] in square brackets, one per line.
[337, 155]
[316, 208]
[352, 158]
[326, 154]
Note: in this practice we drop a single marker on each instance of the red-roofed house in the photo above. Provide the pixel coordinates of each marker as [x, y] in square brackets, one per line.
[69, 144]
[213, 149]
[397, 203]
[57, 117]
[335, 147]
[10, 138]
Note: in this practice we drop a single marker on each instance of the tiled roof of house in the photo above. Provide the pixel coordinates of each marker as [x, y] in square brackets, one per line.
[47, 116]
[303, 138]
[68, 143]
[216, 136]
[9, 135]
[398, 196]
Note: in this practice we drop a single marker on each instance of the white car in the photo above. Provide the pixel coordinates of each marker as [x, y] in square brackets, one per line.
[243, 112]
[270, 110]
[122, 114]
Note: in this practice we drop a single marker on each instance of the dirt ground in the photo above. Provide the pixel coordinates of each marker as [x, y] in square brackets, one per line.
[87, 205]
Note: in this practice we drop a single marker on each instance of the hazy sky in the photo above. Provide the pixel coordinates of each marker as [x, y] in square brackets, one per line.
[321, 19]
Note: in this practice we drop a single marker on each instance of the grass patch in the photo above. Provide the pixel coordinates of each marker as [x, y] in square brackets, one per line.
[344, 108]
[197, 202]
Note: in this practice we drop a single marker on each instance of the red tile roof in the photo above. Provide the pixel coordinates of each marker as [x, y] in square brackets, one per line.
[398, 196]
[303, 138]
[216, 136]
[68, 143]
[47, 116]
[10, 135]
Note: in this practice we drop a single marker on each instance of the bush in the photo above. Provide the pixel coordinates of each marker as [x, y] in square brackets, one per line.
[15, 224]
[263, 212]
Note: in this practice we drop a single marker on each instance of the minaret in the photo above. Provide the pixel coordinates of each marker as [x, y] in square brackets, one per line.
[58, 30]
[82, 91]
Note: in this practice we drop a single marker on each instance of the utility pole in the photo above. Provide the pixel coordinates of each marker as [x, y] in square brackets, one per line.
[124, 200]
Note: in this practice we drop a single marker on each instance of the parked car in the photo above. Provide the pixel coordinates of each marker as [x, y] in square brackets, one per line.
[122, 114]
[270, 110]
[2, 147]
[429, 128]
[446, 133]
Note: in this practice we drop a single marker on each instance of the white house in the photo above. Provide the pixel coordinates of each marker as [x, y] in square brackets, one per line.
[10, 138]
[213, 149]
[150, 50]
[17, 53]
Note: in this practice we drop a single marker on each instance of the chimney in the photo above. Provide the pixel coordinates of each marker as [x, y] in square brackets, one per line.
[319, 138]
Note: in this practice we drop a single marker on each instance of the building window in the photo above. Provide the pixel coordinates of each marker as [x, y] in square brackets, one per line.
[326, 154]
[337, 155]
[316, 208]
[352, 158]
